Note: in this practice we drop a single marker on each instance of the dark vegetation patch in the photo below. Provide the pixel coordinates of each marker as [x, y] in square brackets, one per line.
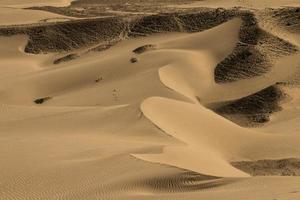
[244, 62]
[288, 17]
[74, 34]
[148, 25]
[66, 36]
[143, 49]
[129, 2]
[254, 54]
[133, 60]
[283, 167]
[79, 12]
[97, 8]
[254, 109]
[65, 58]
[205, 19]
[106, 45]
[275, 47]
[250, 31]
[99, 79]
[42, 100]
[180, 21]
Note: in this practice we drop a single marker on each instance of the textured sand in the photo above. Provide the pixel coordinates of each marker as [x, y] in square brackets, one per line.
[17, 16]
[244, 3]
[29, 3]
[11, 12]
[144, 118]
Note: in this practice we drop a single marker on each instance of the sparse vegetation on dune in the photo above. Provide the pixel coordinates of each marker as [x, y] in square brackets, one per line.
[142, 49]
[287, 18]
[253, 110]
[66, 36]
[282, 167]
[253, 56]
[66, 58]
[42, 100]
[140, 99]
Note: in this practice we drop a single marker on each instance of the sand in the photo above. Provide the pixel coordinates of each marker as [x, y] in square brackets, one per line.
[11, 12]
[123, 123]
[17, 16]
[30, 3]
[243, 3]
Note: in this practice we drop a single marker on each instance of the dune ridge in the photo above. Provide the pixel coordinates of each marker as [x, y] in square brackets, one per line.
[184, 157]
[180, 105]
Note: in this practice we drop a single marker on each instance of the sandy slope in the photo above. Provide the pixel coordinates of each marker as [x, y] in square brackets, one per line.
[11, 12]
[17, 16]
[30, 3]
[14, 62]
[108, 117]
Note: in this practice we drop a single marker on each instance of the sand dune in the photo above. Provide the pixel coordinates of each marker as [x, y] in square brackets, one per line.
[161, 106]
[225, 144]
[30, 3]
[16, 16]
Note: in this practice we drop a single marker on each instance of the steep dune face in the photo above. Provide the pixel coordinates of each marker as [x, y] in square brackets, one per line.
[211, 144]
[193, 74]
[193, 120]
[14, 62]
[159, 106]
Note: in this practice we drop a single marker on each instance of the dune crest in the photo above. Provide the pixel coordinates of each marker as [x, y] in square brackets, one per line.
[193, 124]
[149, 100]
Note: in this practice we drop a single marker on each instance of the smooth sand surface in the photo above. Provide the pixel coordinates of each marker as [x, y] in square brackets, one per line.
[30, 3]
[11, 12]
[114, 129]
[14, 62]
[18, 16]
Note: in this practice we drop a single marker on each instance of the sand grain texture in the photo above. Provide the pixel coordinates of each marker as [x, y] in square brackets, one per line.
[196, 103]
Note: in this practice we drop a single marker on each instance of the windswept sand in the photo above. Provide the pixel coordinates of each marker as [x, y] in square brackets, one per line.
[30, 3]
[17, 16]
[119, 124]
[11, 12]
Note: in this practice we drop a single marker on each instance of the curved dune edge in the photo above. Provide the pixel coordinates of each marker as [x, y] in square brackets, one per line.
[78, 144]
[15, 16]
[211, 142]
[29, 3]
